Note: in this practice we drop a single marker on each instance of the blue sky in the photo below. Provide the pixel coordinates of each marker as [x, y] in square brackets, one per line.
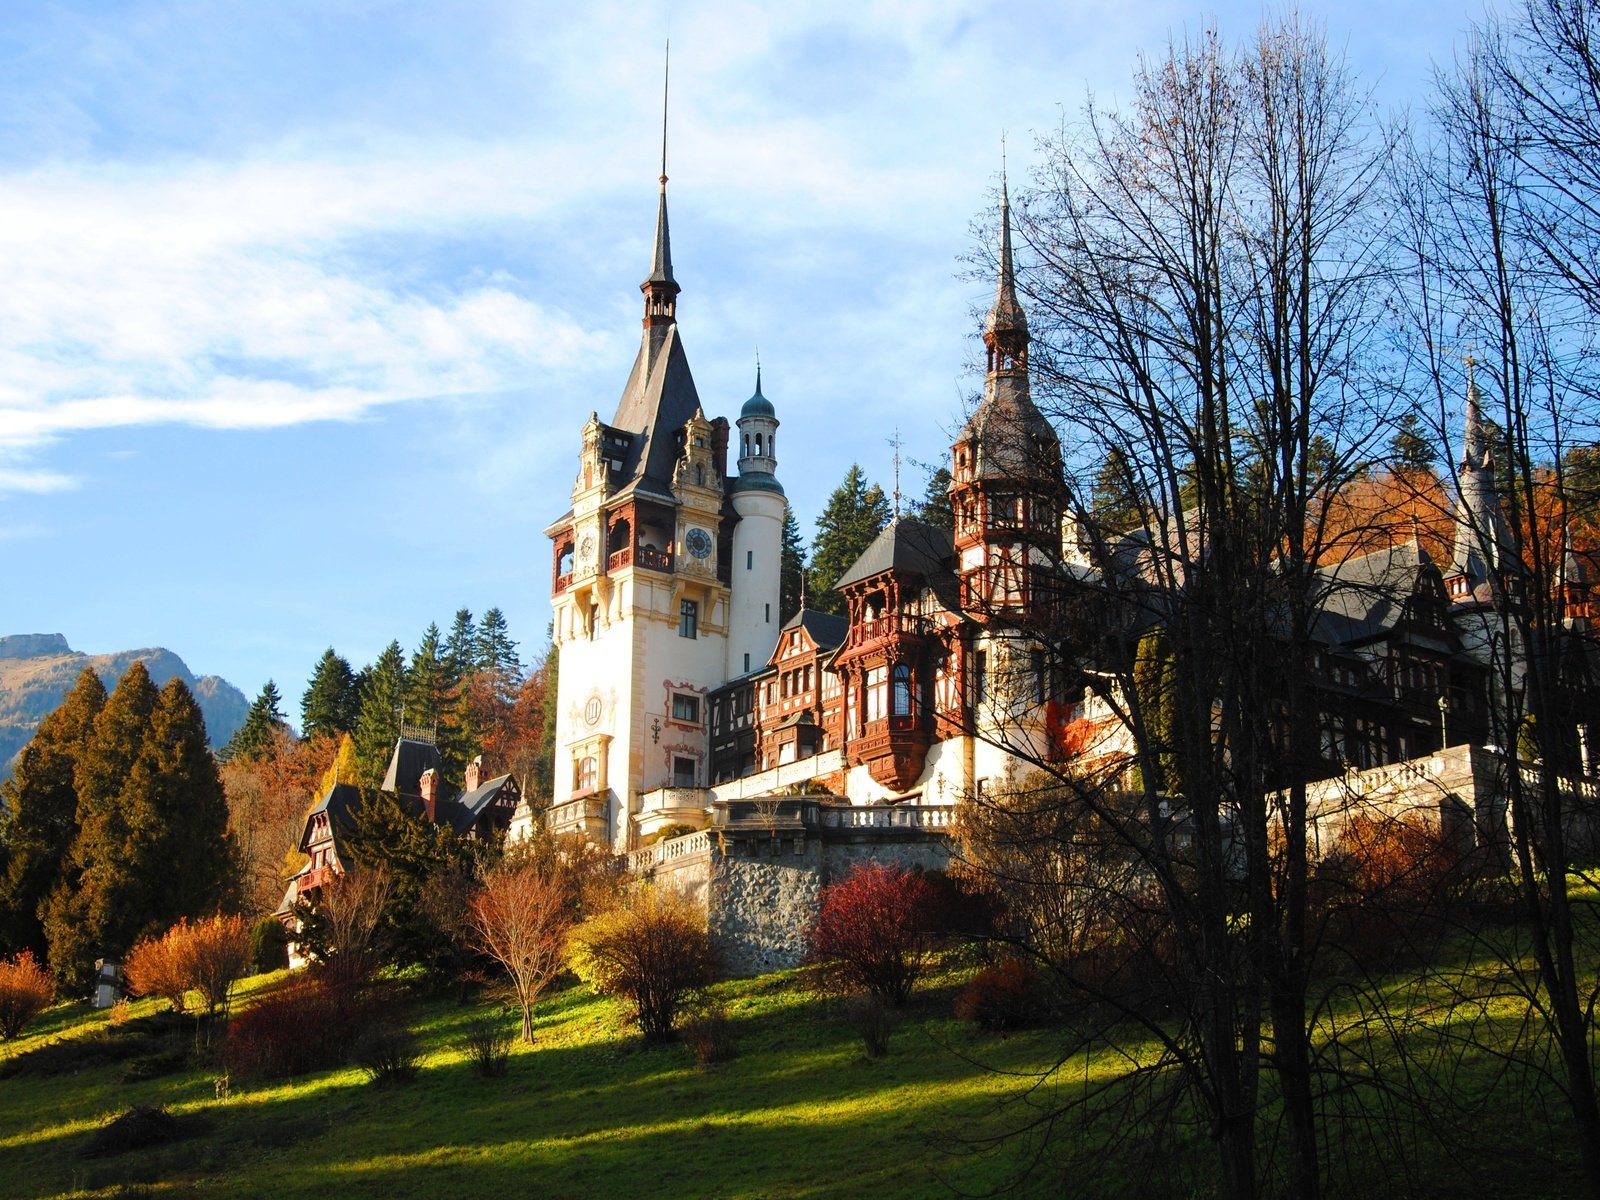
[303, 304]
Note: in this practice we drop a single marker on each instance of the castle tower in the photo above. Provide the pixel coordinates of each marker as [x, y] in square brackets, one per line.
[1006, 495]
[756, 569]
[640, 589]
[1005, 471]
[1482, 539]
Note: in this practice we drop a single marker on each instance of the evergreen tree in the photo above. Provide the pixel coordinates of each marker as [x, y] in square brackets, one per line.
[1115, 498]
[792, 571]
[378, 722]
[331, 702]
[182, 855]
[496, 651]
[854, 515]
[261, 725]
[427, 685]
[544, 775]
[1411, 449]
[935, 507]
[461, 648]
[79, 916]
[1156, 685]
[40, 803]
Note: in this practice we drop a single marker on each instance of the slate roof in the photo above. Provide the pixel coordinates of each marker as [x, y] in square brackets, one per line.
[905, 545]
[658, 399]
[406, 765]
[465, 809]
[824, 629]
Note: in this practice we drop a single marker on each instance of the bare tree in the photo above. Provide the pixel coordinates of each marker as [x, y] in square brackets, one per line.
[348, 920]
[521, 917]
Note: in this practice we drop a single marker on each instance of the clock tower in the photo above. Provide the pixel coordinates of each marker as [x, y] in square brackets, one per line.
[646, 586]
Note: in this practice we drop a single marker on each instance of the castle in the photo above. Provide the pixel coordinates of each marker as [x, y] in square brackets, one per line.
[686, 699]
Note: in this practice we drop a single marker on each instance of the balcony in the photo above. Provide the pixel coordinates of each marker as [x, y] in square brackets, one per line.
[619, 559]
[652, 559]
[563, 582]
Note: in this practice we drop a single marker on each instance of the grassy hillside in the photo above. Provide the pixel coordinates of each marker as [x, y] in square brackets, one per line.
[588, 1112]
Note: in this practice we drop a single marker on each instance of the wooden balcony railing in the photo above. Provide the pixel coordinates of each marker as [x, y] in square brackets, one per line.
[652, 560]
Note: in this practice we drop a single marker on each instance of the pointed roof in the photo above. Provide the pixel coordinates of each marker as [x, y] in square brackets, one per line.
[905, 545]
[657, 401]
[661, 254]
[758, 405]
[1006, 315]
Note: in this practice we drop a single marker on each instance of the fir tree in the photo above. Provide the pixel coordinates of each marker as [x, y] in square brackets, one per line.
[331, 703]
[427, 681]
[1411, 449]
[41, 806]
[378, 723]
[935, 507]
[1115, 498]
[496, 651]
[792, 571]
[855, 514]
[79, 916]
[462, 646]
[261, 725]
[188, 867]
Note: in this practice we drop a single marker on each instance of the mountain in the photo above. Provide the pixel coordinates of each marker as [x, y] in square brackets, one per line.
[38, 669]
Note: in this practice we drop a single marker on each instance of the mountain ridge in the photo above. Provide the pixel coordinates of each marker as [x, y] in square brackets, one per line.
[38, 669]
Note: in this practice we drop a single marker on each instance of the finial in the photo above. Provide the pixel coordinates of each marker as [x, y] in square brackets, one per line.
[758, 370]
[895, 442]
[666, 81]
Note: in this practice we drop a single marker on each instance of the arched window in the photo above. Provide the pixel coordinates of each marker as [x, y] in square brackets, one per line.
[587, 775]
[758, 444]
[900, 691]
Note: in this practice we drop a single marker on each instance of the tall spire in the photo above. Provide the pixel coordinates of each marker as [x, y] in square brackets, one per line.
[1005, 330]
[661, 289]
[1475, 452]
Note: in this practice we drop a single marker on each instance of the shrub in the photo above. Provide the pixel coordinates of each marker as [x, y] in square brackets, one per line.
[160, 966]
[1007, 995]
[309, 1024]
[710, 1035]
[651, 949]
[874, 1021]
[26, 990]
[1382, 884]
[387, 1052]
[871, 931]
[487, 1042]
[269, 946]
[132, 1130]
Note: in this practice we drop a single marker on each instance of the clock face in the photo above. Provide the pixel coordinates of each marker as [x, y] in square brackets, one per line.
[586, 547]
[591, 711]
[698, 542]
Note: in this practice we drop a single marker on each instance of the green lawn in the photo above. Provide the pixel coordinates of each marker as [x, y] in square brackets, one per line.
[588, 1112]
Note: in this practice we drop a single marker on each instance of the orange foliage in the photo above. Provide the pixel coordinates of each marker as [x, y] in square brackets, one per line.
[267, 802]
[1385, 509]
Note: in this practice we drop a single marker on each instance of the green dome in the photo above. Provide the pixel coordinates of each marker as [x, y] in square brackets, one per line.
[757, 481]
[758, 405]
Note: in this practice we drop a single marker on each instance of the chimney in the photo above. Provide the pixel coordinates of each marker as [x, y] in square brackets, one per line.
[474, 773]
[428, 785]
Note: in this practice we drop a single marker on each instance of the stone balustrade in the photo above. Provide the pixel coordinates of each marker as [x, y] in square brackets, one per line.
[670, 851]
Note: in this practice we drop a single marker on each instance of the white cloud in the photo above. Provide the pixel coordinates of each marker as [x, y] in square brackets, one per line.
[19, 479]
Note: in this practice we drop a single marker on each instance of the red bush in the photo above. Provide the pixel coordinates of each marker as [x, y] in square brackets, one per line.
[1008, 995]
[872, 931]
[26, 990]
[310, 1024]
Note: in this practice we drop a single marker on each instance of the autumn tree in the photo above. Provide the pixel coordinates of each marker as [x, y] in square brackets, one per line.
[40, 805]
[267, 798]
[855, 514]
[520, 917]
[651, 949]
[1207, 282]
[871, 930]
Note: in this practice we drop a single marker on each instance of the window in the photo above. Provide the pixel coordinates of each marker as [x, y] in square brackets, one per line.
[900, 692]
[587, 775]
[980, 677]
[683, 772]
[686, 708]
[769, 614]
[874, 697]
[594, 620]
[749, 560]
[747, 664]
[1037, 664]
[689, 619]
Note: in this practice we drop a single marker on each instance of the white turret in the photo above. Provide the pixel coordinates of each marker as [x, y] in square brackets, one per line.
[757, 539]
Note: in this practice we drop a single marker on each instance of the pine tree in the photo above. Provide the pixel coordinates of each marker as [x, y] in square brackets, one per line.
[855, 514]
[935, 507]
[79, 914]
[1411, 448]
[378, 722]
[261, 726]
[792, 571]
[40, 801]
[427, 684]
[331, 702]
[496, 651]
[188, 867]
[461, 648]
[1114, 501]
